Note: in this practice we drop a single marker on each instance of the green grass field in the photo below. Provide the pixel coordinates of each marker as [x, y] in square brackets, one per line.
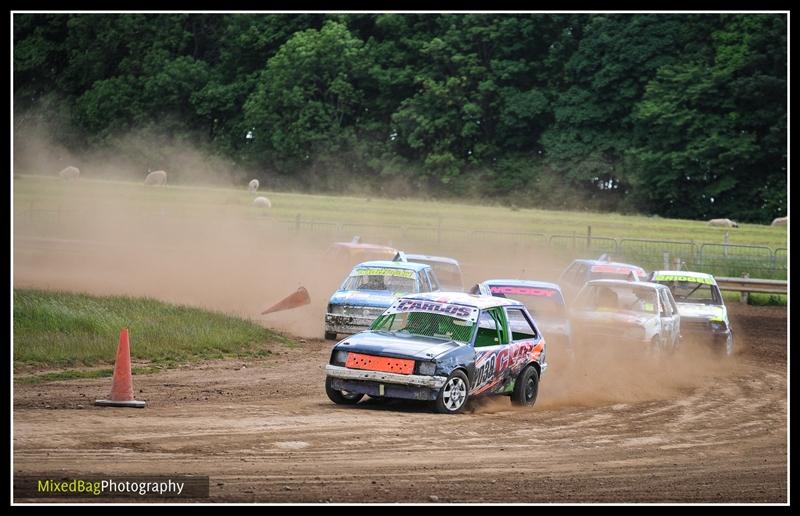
[59, 330]
[46, 193]
[757, 299]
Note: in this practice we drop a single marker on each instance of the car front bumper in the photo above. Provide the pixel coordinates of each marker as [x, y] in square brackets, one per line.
[704, 334]
[347, 324]
[381, 384]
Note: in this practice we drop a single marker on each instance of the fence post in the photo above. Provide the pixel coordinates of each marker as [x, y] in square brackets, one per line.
[666, 260]
[744, 296]
[589, 238]
[678, 263]
[725, 242]
[700, 260]
[573, 240]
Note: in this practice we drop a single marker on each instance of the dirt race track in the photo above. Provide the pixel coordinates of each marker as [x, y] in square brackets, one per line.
[266, 432]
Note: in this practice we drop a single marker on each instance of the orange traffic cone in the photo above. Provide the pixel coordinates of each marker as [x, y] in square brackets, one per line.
[122, 387]
[298, 298]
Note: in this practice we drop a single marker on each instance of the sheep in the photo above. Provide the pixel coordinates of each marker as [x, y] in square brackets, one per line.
[252, 186]
[780, 221]
[723, 223]
[157, 178]
[69, 173]
[262, 202]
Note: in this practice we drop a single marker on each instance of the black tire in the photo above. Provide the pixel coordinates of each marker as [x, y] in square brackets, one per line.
[526, 388]
[454, 394]
[330, 335]
[341, 397]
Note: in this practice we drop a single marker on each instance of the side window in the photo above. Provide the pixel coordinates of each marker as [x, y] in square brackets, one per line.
[665, 308]
[426, 284]
[491, 328]
[434, 280]
[521, 328]
[671, 300]
[717, 295]
[580, 277]
[568, 273]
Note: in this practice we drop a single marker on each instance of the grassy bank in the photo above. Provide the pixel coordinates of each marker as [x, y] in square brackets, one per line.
[757, 299]
[36, 193]
[61, 330]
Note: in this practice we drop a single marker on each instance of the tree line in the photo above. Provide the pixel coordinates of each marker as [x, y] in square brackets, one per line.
[677, 115]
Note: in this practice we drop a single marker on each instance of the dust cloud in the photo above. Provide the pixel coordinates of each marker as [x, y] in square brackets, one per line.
[222, 260]
[44, 147]
[604, 374]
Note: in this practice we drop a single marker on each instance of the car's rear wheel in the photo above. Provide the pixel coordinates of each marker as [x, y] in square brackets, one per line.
[526, 388]
[330, 335]
[341, 397]
[454, 394]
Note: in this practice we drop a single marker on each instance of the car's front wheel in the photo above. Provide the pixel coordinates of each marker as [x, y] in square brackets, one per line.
[454, 394]
[341, 397]
[526, 388]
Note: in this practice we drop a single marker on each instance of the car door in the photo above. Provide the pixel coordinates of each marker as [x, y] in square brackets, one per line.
[491, 339]
[668, 315]
[573, 279]
[676, 316]
[527, 343]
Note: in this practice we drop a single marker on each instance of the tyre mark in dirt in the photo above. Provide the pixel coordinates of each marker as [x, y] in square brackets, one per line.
[268, 433]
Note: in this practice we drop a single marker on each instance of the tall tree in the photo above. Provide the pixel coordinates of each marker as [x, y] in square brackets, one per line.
[308, 95]
[714, 130]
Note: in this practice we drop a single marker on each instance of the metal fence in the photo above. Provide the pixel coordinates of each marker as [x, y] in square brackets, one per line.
[718, 259]
[582, 244]
[656, 254]
[734, 260]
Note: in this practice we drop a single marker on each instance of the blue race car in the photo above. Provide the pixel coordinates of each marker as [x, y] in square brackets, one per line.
[369, 289]
[442, 347]
[544, 300]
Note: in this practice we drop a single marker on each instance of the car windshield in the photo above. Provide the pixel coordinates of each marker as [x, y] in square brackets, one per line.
[618, 298]
[448, 275]
[426, 324]
[398, 281]
[693, 292]
[540, 301]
